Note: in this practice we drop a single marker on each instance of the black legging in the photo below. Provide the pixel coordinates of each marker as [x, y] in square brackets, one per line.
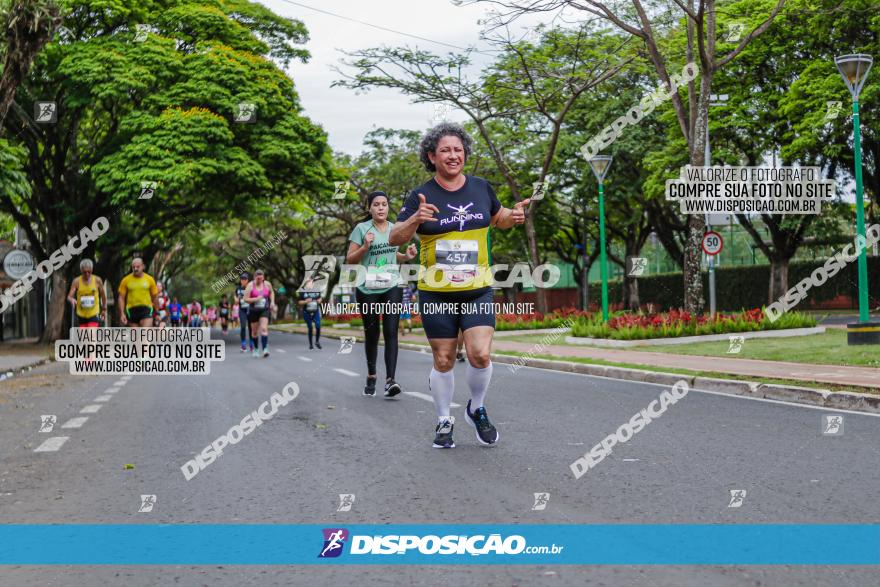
[389, 328]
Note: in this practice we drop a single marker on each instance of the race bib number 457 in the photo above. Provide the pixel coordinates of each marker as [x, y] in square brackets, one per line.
[457, 259]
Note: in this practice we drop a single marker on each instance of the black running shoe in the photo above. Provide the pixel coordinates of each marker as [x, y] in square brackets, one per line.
[317, 344]
[370, 388]
[392, 389]
[486, 432]
[460, 356]
[443, 438]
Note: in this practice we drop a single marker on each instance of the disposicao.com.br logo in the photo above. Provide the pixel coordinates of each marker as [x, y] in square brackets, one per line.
[430, 544]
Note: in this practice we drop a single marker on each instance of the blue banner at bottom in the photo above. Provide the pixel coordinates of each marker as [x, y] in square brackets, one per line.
[427, 544]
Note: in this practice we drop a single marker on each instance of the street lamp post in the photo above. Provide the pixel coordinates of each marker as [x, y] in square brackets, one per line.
[600, 165]
[854, 71]
[714, 100]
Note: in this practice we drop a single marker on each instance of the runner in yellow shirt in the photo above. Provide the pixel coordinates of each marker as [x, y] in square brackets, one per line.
[138, 297]
[88, 297]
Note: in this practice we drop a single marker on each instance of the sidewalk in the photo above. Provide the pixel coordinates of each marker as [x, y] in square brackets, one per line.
[829, 374]
[855, 376]
[18, 355]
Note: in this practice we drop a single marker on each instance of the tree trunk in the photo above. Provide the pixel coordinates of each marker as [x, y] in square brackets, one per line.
[534, 258]
[282, 306]
[57, 306]
[694, 300]
[584, 293]
[778, 279]
[630, 293]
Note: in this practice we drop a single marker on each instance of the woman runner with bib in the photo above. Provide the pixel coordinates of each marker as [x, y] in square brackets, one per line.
[452, 214]
[261, 297]
[379, 296]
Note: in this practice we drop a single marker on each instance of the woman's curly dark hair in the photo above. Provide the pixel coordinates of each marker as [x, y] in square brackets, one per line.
[433, 136]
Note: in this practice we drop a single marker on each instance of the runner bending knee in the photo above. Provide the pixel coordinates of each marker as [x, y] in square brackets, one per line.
[138, 297]
[261, 297]
[224, 313]
[310, 302]
[379, 297]
[243, 313]
[452, 214]
[88, 297]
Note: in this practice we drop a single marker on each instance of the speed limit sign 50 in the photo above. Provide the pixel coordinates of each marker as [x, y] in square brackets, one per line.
[712, 243]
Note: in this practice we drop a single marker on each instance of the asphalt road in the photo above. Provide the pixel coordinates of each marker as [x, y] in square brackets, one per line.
[333, 440]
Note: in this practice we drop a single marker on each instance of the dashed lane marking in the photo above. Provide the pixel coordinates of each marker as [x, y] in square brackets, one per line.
[52, 444]
[75, 422]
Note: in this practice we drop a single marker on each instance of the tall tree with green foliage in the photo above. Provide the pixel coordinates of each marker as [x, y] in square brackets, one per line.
[706, 44]
[191, 103]
[518, 105]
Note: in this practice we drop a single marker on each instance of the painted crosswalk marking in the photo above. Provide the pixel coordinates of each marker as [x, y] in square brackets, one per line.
[90, 409]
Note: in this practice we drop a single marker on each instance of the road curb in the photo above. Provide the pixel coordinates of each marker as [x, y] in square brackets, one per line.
[842, 400]
[22, 368]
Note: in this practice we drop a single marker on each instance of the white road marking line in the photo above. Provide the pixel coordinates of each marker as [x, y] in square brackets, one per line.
[125, 378]
[75, 422]
[52, 444]
[630, 460]
[427, 397]
[304, 358]
[120, 383]
[90, 409]
[102, 398]
[112, 390]
[282, 351]
[346, 372]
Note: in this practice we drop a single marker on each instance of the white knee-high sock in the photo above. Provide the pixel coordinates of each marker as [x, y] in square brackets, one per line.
[478, 381]
[442, 387]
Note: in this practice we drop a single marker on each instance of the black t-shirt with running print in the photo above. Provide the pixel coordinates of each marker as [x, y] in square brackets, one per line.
[455, 247]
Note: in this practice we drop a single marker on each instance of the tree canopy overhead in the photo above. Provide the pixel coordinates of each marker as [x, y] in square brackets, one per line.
[185, 96]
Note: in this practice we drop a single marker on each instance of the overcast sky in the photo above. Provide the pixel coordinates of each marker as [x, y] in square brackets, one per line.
[345, 116]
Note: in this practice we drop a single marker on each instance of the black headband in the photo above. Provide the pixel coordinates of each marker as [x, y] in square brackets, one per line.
[374, 195]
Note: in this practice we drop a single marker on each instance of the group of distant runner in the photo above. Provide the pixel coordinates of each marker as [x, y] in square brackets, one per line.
[142, 302]
[451, 214]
